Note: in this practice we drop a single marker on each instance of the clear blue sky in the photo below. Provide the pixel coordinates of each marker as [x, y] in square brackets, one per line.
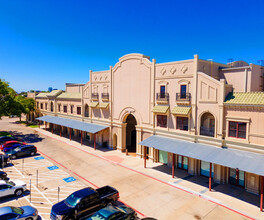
[50, 42]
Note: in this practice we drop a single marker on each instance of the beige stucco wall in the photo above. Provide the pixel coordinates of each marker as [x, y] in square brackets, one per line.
[68, 103]
[74, 88]
[255, 119]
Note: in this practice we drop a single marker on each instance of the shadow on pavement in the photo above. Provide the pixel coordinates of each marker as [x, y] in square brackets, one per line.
[28, 138]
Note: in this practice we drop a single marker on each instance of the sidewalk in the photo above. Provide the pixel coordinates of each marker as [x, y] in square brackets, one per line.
[228, 196]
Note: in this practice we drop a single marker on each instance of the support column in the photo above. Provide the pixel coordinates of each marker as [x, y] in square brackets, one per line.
[95, 141]
[210, 177]
[60, 130]
[39, 124]
[81, 137]
[70, 133]
[52, 128]
[45, 125]
[261, 193]
[237, 174]
[173, 164]
[145, 157]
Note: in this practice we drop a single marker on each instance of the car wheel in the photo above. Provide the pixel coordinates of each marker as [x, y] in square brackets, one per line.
[14, 156]
[19, 192]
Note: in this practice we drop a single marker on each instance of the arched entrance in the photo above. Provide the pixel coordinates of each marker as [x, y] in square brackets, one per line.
[207, 125]
[131, 134]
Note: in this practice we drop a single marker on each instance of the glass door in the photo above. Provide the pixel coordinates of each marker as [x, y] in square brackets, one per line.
[205, 169]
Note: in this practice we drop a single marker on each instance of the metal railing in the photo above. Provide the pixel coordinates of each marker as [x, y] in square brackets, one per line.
[162, 97]
[95, 96]
[183, 96]
[105, 96]
[207, 131]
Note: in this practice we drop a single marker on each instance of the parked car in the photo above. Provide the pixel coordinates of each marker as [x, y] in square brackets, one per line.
[4, 159]
[84, 202]
[21, 151]
[10, 143]
[12, 146]
[3, 175]
[23, 212]
[3, 139]
[121, 212]
[15, 187]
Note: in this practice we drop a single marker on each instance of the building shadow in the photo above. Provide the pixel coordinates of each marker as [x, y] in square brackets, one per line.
[28, 138]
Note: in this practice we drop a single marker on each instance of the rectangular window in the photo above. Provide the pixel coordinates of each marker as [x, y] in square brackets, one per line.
[183, 91]
[162, 121]
[65, 108]
[162, 91]
[46, 106]
[71, 109]
[59, 107]
[41, 105]
[182, 123]
[182, 162]
[78, 110]
[237, 129]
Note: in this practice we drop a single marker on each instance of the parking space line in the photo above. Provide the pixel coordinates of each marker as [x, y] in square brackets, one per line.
[19, 172]
[42, 194]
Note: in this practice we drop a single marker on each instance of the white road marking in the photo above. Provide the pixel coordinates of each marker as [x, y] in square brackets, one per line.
[42, 194]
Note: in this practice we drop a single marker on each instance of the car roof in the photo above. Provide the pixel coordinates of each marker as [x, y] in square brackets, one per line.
[108, 211]
[2, 182]
[5, 210]
[84, 192]
[9, 142]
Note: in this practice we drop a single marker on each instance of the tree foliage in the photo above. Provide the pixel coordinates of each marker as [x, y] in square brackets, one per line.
[13, 104]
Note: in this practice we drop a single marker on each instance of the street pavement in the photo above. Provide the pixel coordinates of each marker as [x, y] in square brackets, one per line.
[151, 191]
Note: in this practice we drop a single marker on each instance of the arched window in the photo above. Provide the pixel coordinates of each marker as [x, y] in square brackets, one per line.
[207, 125]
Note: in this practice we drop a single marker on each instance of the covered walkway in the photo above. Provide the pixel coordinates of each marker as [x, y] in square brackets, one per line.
[236, 159]
[73, 124]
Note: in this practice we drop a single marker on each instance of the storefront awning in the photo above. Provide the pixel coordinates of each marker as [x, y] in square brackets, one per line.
[160, 109]
[181, 110]
[245, 161]
[103, 105]
[94, 104]
[70, 123]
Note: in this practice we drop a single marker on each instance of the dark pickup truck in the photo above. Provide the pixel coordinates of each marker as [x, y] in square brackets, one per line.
[83, 203]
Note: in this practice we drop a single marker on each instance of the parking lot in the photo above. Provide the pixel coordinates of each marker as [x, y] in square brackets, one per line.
[47, 182]
[148, 191]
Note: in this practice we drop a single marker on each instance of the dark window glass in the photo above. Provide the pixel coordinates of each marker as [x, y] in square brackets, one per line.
[59, 107]
[183, 91]
[78, 110]
[41, 105]
[71, 109]
[162, 121]
[182, 123]
[237, 129]
[162, 91]
[65, 108]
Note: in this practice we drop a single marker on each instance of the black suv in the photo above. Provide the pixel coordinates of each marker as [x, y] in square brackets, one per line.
[21, 151]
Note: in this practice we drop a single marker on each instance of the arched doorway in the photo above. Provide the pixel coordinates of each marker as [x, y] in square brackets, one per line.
[131, 134]
[86, 111]
[207, 125]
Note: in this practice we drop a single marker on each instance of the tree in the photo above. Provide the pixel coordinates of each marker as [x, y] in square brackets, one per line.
[13, 104]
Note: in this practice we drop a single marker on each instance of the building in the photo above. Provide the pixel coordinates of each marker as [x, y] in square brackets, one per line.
[195, 115]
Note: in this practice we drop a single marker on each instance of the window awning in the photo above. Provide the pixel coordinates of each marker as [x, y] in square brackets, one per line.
[70, 123]
[94, 104]
[245, 161]
[103, 105]
[161, 109]
[181, 110]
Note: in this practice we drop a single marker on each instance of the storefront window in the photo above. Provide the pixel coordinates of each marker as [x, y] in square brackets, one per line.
[205, 169]
[182, 162]
[237, 177]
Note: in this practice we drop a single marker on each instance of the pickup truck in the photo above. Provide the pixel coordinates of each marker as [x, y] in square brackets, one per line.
[83, 203]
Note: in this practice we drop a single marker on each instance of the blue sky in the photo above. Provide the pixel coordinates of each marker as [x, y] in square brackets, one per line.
[50, 42]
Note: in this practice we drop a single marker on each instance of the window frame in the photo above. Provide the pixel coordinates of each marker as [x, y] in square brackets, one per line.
[182, 119]
[79, 107]
[159, 124]
[237, 130]
[65, 106]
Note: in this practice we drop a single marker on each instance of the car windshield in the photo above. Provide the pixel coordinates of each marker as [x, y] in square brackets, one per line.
[11, 183]
[72, 200]
[98, 216]
[17, 149]
[17, 210]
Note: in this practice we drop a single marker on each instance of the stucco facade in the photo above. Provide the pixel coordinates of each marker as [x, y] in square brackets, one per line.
[137, 98]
